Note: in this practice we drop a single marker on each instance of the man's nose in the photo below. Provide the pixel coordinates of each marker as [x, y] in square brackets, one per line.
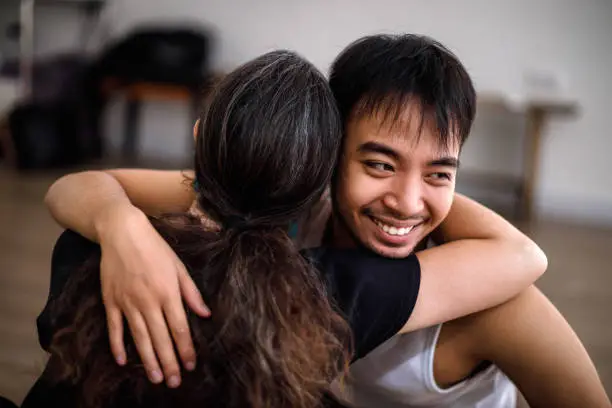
[406, 197]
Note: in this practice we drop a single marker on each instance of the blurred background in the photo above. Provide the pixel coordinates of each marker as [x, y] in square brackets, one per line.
[94, 84]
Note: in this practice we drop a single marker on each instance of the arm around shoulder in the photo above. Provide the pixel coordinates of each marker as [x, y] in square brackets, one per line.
[77, 201]
[482, 262]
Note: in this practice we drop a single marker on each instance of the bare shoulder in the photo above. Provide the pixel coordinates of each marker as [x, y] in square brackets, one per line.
[504, 323]
[488, 335]
[532, 343]
[496, 334]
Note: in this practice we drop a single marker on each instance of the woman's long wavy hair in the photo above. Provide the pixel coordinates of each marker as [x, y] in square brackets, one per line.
[265, 152]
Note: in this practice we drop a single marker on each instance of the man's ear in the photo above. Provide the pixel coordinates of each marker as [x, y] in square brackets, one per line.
[195, 129]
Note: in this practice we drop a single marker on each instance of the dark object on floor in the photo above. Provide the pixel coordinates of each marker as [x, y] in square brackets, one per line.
[5, 403]
[60, 125]
[53, 127]
[43, 137]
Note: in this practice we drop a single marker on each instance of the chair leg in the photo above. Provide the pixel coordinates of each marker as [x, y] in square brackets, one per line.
[130, 141]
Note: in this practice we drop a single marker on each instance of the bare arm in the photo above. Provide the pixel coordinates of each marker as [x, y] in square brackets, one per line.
[530, 341]
[141, 277]
[84, 201]
[484, 262]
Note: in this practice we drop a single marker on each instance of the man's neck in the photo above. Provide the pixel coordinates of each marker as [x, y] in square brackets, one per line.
[337, 235]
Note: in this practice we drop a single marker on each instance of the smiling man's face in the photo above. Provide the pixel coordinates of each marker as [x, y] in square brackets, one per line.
[395, 182]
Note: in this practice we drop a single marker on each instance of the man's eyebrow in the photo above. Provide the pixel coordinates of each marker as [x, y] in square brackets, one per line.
[446, 162]
[375, 147]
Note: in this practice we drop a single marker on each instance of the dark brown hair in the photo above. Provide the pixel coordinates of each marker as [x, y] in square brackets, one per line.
[387, 72]
[265, 152]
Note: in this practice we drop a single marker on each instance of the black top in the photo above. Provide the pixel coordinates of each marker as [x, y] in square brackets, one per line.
[375, 294]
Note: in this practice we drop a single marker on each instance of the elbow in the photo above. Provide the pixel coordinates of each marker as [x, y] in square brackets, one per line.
[534, 260]
[59, 190]
[53, 193]
[541, 263]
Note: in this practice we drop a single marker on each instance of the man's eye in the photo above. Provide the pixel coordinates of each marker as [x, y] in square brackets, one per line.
[380, 166]
[441, 176]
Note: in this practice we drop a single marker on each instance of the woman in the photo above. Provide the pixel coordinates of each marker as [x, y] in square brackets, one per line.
[281, 331]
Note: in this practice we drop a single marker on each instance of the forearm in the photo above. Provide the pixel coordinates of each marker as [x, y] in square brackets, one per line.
[482, 262]
[82, 201]
[467, 219]
[500, 260]
[470, 275]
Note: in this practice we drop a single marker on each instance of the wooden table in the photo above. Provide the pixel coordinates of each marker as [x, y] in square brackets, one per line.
[537, 111]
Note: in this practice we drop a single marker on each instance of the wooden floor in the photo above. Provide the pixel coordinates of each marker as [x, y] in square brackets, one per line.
[579, 280]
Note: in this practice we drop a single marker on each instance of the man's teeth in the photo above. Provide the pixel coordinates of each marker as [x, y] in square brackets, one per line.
[394, 230]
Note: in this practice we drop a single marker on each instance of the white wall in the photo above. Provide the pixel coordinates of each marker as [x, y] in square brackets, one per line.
[62, 27]
[9, 13]
[497, 40]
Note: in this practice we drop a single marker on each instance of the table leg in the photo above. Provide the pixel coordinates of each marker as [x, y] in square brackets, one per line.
[532, 144]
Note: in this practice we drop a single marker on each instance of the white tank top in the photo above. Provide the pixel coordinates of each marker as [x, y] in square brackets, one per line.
[399, 374]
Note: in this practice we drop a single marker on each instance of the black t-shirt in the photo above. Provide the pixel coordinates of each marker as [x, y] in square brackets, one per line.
[375, 294]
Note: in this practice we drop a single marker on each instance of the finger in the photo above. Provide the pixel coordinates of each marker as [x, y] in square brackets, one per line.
[179, 327]
[143, 343]
[191, 293]
[164, 347]
[114, 319]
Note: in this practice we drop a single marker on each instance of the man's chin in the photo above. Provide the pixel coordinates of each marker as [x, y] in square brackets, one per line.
[391, 252]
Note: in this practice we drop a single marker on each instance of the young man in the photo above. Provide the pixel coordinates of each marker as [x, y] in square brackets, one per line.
[408, 106]
[394, 185]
